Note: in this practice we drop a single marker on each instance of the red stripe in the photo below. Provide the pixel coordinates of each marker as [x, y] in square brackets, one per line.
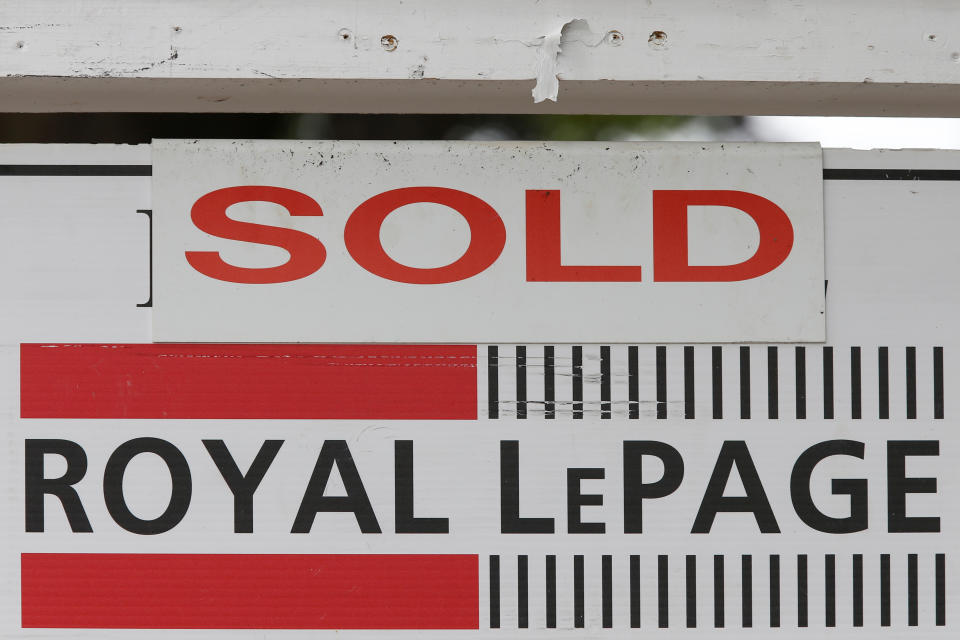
[198, 591]
[248, 381]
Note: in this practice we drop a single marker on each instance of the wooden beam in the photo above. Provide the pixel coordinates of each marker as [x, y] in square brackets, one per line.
[850, 57]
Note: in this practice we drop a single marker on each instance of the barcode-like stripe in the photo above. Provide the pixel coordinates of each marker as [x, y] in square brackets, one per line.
[745, 383]
[523, 581]
[494, 592]
[855, 404]
[885, 590]
[800, 355]
[661, 383]
[549, 383]
[606, 596]
[551, 589]
[746, 591]
[828, 383]
[689, 393]
[577, 357]
[521, 371]
[493, 383]
[883, 382]
[717, 381]
[718, 592]
[938, 383]
[597, 580]
[578, 604]
[941, 589]
[830, 590]
[913, 618]
[634, 382]
[774, 591]
[663, 601]
[773, 384]
[858, 590]
[911, 383]
[605, 406]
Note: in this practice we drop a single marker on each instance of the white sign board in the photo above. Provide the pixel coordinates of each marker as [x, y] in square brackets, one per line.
[211, 490]
[295, 241]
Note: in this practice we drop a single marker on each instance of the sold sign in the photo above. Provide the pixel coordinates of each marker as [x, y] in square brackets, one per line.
[618, 242]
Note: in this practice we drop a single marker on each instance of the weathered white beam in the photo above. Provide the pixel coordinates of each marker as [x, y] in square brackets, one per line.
[849, 57]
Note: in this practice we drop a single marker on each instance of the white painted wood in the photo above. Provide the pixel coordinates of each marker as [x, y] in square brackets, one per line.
[856, 57]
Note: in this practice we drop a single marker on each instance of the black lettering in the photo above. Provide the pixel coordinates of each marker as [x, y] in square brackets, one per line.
[735, 452]
[405, 521]
[635, 491]
[335, 452]
[181, 491]
[576, 500]
[899, 485]
[510, 520]
[36, 485]
[856, 489]
[243, 486]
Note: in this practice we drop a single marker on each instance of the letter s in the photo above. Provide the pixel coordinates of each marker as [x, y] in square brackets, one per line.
[209, 214]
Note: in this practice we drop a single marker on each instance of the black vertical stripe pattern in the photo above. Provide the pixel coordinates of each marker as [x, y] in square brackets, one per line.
[940, 596]
[549, 383]
[773, 384]
[911, 371]
[830, 590]
[635, 585]
[828, 383]
[718, 592]
[578, 603]
[858, 590]
[663, 590]
[774, 591]
[885, 590]
[551, 592]
[606, 591]
[716, 357]
[493, 383]
[856, 410]
[661, 366]
[577, 372]
[802, 603]
[521, 368]
[746, 591]
[601, 597]
[494, 592]
[938, 383]
[913, 618]
[932, 375]
[605, 406]
[800, 355]
[745, 383]
[883, 383]
[523, 599]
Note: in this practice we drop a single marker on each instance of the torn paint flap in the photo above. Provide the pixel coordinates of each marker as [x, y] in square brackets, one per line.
[549, 48]
[548, 51]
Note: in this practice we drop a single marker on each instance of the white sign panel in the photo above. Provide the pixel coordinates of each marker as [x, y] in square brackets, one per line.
[481, 490]
[465, 241]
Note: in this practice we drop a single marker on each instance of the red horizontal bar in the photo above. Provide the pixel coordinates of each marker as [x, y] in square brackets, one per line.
[236, 591]
[240, 381]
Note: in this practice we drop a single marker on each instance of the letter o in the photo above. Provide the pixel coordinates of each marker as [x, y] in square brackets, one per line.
[179, 475]
[487, 235]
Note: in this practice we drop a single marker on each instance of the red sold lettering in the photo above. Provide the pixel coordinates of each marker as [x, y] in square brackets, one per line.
[209, 213]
